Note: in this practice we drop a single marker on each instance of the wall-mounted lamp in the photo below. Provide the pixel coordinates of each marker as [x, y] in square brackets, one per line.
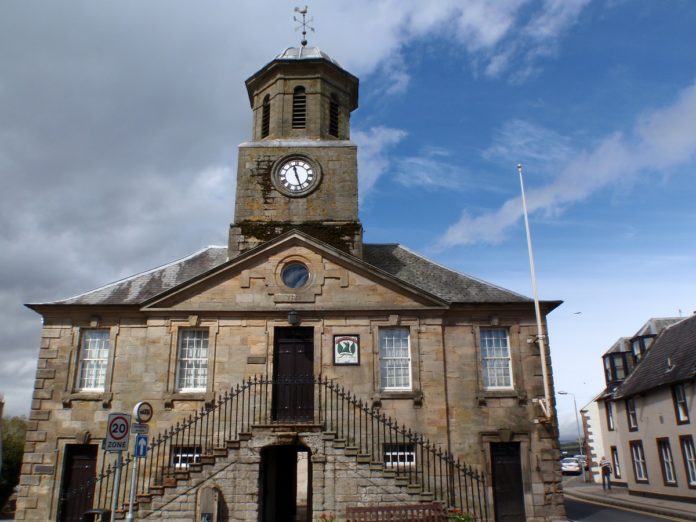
[294, 318]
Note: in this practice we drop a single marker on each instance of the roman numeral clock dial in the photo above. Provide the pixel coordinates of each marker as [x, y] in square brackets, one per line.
[296, 176]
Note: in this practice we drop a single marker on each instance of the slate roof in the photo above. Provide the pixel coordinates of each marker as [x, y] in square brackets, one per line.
[447, 284]
[676, 345]
[393, 259]
[141, 287]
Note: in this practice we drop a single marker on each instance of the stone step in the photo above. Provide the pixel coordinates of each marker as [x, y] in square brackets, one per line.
[234, 444]
[245, 436]
[401, 481]
[414, 489]
[363, 458]
[339, 443]
[220, 452]
[328, 435]
[351, 451]
[156, 490]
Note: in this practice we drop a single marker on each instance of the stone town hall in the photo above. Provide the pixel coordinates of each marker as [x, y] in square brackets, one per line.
[297, 371]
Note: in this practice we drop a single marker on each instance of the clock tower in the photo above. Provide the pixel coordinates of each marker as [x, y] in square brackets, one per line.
[299, 171]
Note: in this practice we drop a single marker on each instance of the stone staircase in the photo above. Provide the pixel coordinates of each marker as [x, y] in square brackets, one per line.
[357, 457]
[341, 477]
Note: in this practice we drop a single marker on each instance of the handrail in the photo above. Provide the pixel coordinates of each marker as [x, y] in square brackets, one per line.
[258, 401]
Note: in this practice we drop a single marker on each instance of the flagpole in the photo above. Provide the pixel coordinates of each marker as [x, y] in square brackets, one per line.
[546, 402]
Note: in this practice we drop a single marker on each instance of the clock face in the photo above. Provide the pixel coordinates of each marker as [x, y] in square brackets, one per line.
[296, 176]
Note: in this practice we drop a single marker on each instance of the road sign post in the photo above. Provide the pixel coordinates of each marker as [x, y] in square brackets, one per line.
[140, 450]
[142, 413]
[117, 435]
[117, 432]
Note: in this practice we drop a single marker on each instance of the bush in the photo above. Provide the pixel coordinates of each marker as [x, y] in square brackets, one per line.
[13, 432]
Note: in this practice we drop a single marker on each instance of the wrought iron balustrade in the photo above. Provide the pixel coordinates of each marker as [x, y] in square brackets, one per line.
[370, 435]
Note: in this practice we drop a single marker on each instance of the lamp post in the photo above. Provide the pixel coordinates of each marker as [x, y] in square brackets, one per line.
[577, 421]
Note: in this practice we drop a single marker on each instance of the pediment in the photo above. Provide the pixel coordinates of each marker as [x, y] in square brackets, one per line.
[252, 282]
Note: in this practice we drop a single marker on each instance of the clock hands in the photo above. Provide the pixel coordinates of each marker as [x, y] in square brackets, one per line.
[297, 176]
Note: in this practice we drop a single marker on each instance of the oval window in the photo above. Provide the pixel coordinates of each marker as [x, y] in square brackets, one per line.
[295, 275]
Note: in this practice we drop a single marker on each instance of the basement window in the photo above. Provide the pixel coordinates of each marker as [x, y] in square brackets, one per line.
[184, 456]
[399, 455]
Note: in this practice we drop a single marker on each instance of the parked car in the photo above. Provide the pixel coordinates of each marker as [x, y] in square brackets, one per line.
[582, 460]
[570, 465]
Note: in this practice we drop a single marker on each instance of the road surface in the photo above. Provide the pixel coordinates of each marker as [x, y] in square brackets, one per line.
[578, 511]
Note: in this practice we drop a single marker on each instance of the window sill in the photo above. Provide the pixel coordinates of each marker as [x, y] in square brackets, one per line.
[415, 395]
[203, 395]
[87, 396]
[511, 393]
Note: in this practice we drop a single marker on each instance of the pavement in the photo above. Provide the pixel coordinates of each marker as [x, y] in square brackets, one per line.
[576, 489]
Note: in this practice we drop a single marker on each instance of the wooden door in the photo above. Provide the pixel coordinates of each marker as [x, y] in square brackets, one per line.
[293, 367]
[76, 492]
[508, 493]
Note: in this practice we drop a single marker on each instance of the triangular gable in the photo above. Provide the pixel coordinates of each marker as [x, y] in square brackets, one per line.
[252, 282]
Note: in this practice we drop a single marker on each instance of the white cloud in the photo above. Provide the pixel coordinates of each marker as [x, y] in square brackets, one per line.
[535, 146]
[117, 137]
[373, 157]
[500, 35]
[660, 139]
[430, 170]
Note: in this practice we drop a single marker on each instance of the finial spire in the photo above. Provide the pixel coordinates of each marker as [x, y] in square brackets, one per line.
[303, 23]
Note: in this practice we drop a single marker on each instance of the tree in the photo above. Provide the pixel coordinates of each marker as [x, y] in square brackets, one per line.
[13, 432]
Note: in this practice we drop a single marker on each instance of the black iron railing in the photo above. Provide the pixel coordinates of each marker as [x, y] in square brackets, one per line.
[369, 434]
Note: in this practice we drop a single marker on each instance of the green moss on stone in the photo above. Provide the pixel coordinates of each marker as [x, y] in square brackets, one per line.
[340, 236]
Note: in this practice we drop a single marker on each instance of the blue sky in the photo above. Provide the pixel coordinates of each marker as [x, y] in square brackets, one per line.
[119, 124]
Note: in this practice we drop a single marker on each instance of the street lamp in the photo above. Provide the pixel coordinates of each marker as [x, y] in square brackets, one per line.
[577, 421]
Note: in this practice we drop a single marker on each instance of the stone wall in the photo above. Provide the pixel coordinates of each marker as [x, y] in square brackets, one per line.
[448, 404]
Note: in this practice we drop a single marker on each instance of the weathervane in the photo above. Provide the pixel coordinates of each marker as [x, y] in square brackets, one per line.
[303, 22]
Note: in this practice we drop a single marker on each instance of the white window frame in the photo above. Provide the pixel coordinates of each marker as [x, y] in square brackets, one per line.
[491, 361]
[610, 415]
[394, 358]
[399, 455]
[669, 472]
[631, 414]
[689, 454]
[615, 461]
[192, 360]
[95, 346]
[640, 470]
[183, 456]
[681, 408]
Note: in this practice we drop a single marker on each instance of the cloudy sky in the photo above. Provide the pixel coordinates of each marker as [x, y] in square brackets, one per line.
[119, 123]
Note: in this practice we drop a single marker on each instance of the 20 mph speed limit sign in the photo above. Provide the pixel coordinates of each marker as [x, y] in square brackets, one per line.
[117, 432]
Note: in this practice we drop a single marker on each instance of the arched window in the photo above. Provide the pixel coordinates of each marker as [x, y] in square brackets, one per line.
[266, 116]
[333, 116]
[299, 108]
